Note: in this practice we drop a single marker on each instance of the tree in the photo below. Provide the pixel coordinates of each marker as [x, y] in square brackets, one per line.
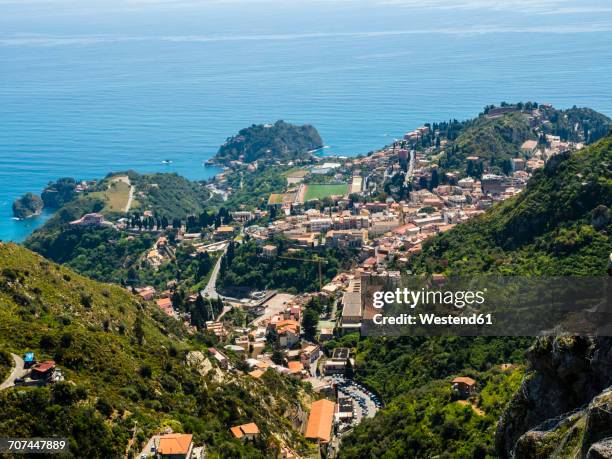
[435, 180]
[278, 357]
[230, 253]
[178, 297]
[350, 371]
[199, 313]
[139, 330]
[310, 322]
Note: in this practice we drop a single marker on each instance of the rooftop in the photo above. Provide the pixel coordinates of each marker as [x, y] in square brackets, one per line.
[464, 380]
[320, 420]
[351, 302]
[174, 444]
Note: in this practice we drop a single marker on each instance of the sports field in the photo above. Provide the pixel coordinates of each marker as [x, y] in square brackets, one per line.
[320, 191]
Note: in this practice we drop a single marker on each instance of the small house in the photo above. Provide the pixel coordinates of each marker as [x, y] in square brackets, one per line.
[246, 432]
[464, 385]
[43, 370]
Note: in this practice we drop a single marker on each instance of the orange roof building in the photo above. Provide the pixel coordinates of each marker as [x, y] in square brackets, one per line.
[165, 304]
[288, 325]
[295, 366]
[464, 380]
[256, 374]
[245, 431]
[175, 445]
[320, 421]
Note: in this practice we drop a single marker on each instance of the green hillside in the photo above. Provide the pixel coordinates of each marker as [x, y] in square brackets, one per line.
[497, 139]
[125, 367]
[280, 141]
[170, 195]
[577, 124]
[560, 225]
[493, 140]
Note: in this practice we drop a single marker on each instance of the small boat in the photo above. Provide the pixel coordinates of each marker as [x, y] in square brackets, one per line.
[167, 161]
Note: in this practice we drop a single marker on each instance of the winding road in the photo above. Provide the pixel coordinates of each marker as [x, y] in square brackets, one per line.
[18, 372]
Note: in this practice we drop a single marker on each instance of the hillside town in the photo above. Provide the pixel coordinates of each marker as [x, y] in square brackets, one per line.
[381, 208]
[374, 212]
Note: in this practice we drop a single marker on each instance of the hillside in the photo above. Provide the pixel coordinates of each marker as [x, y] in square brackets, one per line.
[108, 254]
[577, 124]
[124, 363]
[493, 140]
[497, 138]
[169, 195]
[280, 141]
[564, 405]
[245, 270]
[559, 225]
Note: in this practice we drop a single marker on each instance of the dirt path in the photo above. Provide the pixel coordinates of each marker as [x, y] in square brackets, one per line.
[476, 410]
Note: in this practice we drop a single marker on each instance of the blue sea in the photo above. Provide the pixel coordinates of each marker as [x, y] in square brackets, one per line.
[92, 87]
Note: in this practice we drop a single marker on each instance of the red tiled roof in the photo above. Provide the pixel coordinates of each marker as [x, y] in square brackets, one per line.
[174, 444]
[320, 420]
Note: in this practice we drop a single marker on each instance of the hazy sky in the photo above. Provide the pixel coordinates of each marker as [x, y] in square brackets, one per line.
[139, 18]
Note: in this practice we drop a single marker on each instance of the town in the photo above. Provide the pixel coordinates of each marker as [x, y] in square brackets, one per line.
[375, 211]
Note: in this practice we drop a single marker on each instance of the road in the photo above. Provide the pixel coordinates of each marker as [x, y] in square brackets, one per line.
[210, 291]
[130, 197]
[410, 172]
[18, 372]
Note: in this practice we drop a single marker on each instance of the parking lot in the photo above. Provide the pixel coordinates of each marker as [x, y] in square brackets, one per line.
[365, 403]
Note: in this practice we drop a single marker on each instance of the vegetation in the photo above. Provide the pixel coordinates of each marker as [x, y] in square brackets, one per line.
[245, 269]
[279, 142]
[320, 191]
[496, 139]
[251, 189]
[560, 225]
[427, 421]
[59, 193]
[6, 364]
[27, 205]
[577, 124]
[125, 367]
[117, 195]
[108, 255]
[71, 211]
[170, 195]
[493, 140]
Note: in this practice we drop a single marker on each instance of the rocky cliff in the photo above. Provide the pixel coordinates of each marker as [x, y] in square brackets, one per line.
[564, 406]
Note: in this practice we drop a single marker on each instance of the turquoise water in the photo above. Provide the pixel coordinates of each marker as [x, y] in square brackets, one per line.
[83, 94]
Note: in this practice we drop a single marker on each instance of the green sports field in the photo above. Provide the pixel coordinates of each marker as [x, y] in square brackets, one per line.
[320, 191]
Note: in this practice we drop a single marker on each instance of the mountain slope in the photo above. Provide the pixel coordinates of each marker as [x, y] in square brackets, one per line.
[125, 366]
[493, 140]
[559, 225]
